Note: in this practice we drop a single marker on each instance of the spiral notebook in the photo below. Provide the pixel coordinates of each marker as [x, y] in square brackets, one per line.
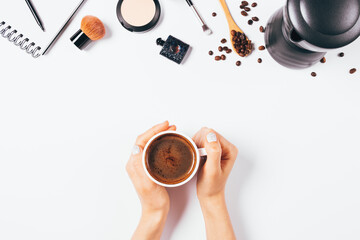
[19, 30]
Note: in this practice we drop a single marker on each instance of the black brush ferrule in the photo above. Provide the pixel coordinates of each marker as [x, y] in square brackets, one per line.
[80, 39]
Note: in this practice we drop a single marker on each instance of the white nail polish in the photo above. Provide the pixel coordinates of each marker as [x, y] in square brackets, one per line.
[211, 137]
[136, 150]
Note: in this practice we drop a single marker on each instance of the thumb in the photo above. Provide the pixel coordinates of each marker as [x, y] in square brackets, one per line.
[213, 150]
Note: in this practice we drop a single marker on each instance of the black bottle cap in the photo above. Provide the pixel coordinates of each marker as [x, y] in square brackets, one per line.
[160, 42]
[80, 39]
[325, 23]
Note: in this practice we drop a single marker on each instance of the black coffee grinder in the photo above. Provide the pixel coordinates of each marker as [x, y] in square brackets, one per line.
[299, 34]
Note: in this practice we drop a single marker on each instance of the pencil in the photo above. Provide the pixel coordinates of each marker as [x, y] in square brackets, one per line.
[35, 14]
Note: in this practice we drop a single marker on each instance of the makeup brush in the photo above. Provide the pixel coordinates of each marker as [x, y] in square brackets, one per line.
[205, 28]
[92, 29]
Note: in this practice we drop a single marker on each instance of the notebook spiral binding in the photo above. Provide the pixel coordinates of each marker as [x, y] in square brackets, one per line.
[18, 40]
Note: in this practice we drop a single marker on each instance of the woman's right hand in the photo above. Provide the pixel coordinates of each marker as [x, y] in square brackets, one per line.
[221, 156]
[211, 181]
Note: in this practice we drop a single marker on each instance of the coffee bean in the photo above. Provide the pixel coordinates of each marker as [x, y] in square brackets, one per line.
[225, 48]
[220, 49]
[223, 57]
[244, 13]
[214, 14]
[262, 48]
[255, 19]
[245, 3]
[262, 29]
[259, 60]
[233, 32]
[313, 74]
[247, 9]
[323, 60]
[238, 63]
[241, 44]
[341, 54]
[242, 6]
[223, 40]
[352, 71]
[254, 4]
[250, 22]
[217, 58]
[228, 51]
[211, 52]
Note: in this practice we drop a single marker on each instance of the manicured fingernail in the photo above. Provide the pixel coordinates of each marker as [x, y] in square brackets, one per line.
[136, 150]
[211, 137]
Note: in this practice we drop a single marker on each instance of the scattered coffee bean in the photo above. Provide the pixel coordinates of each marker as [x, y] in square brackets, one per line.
[341, 54]
[211, 52]
[244, 13]
[217, 58]
[225, 48]
[228, 51]
[242, 6]
[262, 29]
[254, 4]
[238, 63]
[245, 3]
[262, 48]
[259, 60]
[214, 14]
[220, 49]
[250, 22]
[223, 40]
[247, 9]
[255, 19]
[313, 74]
[352, 71]
[223, 57]
[323, 60]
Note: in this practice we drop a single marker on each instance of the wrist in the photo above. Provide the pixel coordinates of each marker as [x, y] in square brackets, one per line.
[159, 215]
[214, 199]
[151, 224]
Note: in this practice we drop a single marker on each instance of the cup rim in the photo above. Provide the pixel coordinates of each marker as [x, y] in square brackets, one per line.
[196, 153]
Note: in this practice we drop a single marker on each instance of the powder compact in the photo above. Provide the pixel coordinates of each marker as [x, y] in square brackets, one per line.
[138, 15]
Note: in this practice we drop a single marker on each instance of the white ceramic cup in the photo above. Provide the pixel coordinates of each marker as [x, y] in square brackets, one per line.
[199, 152]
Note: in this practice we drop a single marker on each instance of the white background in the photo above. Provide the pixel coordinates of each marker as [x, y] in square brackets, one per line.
[68, 122]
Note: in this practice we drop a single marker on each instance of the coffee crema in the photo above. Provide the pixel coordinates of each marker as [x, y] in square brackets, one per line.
[170, 159]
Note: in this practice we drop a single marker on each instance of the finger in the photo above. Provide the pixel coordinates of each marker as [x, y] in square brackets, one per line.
[132, 167]
[213, 149]
[229, 152]
[146, 136]
[172, 128]
[199, 137]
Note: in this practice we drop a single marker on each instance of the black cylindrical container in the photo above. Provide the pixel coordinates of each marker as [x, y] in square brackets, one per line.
[299, 34]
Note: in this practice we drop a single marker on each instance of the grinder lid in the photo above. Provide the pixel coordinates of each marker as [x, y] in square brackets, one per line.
[325, 23]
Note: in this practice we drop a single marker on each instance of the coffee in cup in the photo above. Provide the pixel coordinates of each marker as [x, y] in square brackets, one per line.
[171, 158]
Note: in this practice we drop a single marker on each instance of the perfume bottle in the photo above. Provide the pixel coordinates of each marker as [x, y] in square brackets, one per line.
[173, 49]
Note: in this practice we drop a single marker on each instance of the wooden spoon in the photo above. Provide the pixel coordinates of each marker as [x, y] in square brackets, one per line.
[233, 27]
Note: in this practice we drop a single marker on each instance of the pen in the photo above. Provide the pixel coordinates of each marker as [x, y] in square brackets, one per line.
[63, 27]
[34, 13]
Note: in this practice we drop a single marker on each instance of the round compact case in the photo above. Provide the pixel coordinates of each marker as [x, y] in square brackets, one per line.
[138, 15]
